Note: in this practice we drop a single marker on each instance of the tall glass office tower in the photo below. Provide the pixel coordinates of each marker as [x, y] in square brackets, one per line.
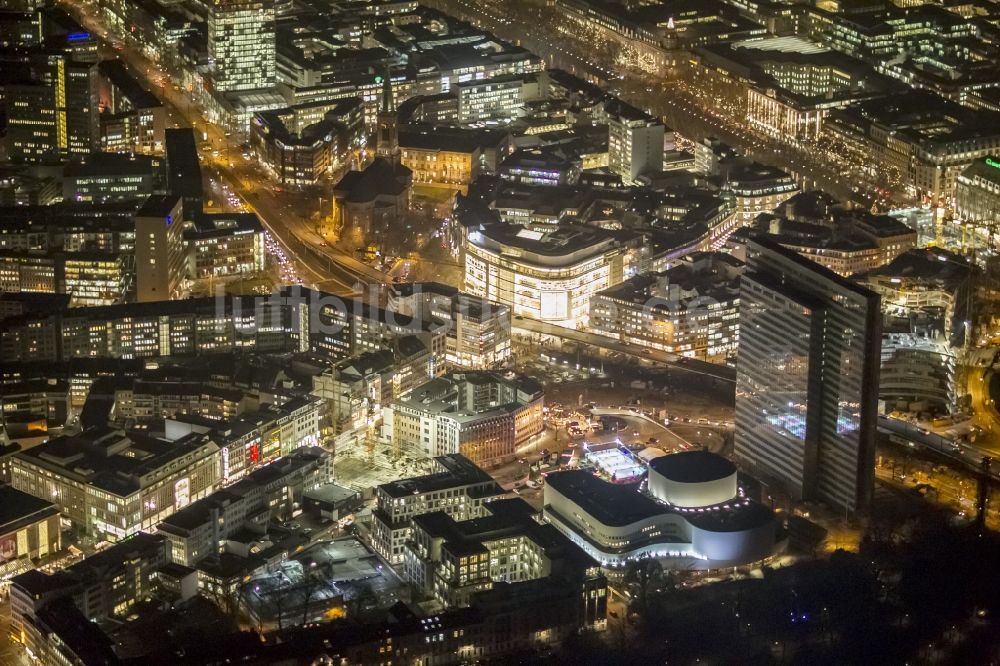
[241, 44]
[807, 378]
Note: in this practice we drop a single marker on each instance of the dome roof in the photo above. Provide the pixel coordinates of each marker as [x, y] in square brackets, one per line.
[693, 467]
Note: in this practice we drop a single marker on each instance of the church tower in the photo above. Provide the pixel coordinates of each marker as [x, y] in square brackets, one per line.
[387, 132]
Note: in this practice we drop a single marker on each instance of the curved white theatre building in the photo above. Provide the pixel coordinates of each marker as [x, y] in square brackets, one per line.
[691, 515]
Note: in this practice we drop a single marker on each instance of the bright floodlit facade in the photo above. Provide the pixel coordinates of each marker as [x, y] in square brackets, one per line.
[484, 416]
[456, 486]
[692, 515]
[546, 275]
[110, 484]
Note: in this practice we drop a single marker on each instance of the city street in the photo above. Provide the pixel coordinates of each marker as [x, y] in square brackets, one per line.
[320, 265]
[10, 652]
[984, 411]
[757, 435]
[693, 112]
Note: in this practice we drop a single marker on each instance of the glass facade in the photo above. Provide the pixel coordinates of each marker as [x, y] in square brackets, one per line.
[241, 44]
[807, 378]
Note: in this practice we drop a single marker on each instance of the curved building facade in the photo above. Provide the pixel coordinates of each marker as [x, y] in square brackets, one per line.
[548, 275]
[692, 479]
[616, 524]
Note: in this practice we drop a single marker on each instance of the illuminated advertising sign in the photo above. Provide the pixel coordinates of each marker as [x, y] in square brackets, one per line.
[8, 548]
[182, 493]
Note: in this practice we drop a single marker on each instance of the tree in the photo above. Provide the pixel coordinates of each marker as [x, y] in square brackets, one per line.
[642, 576]
[586, 648]
[230, 603]
[309, 587]
[355, 605]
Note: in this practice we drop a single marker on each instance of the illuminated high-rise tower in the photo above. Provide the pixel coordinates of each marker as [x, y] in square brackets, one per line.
[807, 377]
[635, 142]
[241, 44]
[51, 106]
[160, 256]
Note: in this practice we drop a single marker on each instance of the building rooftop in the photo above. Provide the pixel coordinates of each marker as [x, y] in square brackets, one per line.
[332, 494]
[921, 117]
[448, 139]
[693, 467]
[142, 544]
[457, 471]
[365, 364]
[18, 509]
[808, 265]
[38, 584]
[304, 644]
[112, 164]
[551, 201]
[36, 385]
[787, 44]
[21, 302]
[408, 346]
[693, 278]
[118, 75]
[742, 516]
[226, 566]
[574, 85]
[158, 205]
[884, 226]
[112, 220]
[202, 389]
[380, 178]
[94, 568]
[933, 265]
[548, 159]
[199, 513]
[562, 245]
[986, 168]
[206, 305]
[505, 518]
[624, 111]
[222, 225]
[183, 166]
[113, 460]
[403, 289]
[285, 126]
[782, 66]
[175, 570]
[751, 178]
[85, 639]
[450, 394]
[612, 504]
[617, 505]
